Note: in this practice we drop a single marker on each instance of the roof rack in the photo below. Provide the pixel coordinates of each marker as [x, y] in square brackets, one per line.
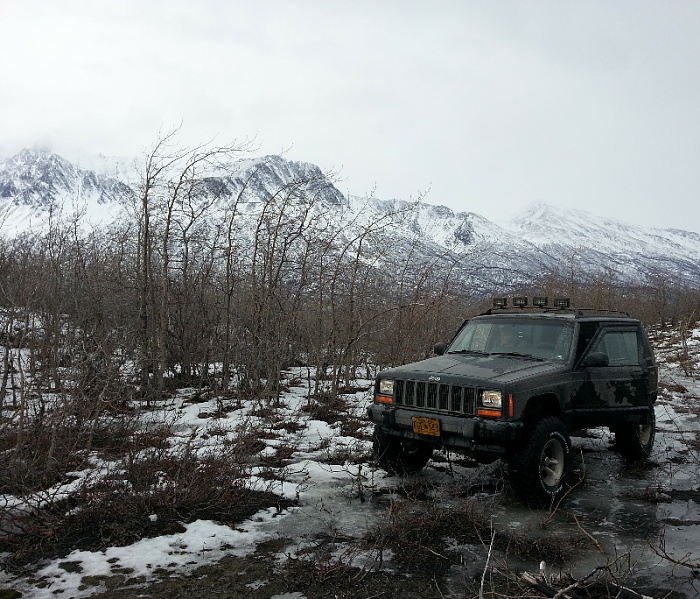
[540, 304]
[580, 311]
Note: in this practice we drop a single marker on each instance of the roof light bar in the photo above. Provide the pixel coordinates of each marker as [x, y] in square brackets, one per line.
[538, 301]
[520, 302]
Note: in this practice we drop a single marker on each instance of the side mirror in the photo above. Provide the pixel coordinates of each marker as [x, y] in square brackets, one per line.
[597, 359]
[439, 348]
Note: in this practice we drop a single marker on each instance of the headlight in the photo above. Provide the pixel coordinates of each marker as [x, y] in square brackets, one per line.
[491, 399]
[386, 387]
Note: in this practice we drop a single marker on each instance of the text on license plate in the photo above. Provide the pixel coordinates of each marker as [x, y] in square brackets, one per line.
[426, 426]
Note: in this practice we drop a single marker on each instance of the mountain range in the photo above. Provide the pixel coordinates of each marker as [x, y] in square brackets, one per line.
[37, 186]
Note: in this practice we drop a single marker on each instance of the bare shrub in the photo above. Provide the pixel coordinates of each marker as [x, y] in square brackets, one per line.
[335, 409]
[417, 531]
[325, 407]
[149, 493]
[348, 453]
[324, 562]
[420, 530]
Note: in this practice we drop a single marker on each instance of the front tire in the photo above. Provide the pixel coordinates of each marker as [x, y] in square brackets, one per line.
[540, 468]
[400, 456]
[635, 441]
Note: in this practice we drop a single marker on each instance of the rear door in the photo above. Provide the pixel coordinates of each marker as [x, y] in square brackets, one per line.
[627, 379]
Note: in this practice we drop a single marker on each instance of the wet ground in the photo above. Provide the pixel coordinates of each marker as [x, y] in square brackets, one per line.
[639, 524]
[622, 518]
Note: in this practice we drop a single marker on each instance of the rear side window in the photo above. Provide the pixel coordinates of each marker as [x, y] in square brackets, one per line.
[621, 347]
[646, 352]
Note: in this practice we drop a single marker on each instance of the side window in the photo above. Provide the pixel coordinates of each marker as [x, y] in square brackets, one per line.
[621, 347]
[646, 353]
[586, 333]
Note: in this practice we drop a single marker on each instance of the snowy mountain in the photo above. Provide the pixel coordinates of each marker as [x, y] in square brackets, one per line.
[630, 252]
[36, 186]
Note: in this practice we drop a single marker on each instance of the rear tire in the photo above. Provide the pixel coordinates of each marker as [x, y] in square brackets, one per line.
[539, 469]
[635, 441]
[399, 456]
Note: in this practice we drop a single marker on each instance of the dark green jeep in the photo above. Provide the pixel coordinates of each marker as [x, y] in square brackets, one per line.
[513, 384]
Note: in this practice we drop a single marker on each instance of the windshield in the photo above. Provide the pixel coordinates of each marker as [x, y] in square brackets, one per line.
[545, 340]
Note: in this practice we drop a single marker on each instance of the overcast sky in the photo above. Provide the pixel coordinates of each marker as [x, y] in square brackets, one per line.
[486, 106]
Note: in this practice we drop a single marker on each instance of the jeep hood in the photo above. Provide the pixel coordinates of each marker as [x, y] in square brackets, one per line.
[487, 368]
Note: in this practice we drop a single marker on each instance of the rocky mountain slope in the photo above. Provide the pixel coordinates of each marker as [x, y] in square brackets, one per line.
[36, 186]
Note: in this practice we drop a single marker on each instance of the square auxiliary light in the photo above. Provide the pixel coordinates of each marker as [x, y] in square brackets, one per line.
[539, 301]
[500, 302]
[561, 302]
[520, 302]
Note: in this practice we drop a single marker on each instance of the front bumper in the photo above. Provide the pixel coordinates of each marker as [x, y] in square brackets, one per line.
[479, 435]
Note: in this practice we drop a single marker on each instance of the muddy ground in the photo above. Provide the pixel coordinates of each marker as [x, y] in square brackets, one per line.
[635, 525]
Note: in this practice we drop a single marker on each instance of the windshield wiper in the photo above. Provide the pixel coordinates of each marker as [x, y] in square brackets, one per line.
[516, 354]
[468, 351]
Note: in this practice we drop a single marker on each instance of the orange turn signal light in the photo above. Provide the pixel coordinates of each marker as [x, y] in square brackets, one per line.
[383, 399]
[488, 413]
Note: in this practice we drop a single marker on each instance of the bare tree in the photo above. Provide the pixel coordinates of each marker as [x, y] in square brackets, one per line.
[173, 192]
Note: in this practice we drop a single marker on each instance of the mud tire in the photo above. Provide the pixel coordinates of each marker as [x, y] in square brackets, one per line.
[399, 456]
[539, 470]
[635, 441]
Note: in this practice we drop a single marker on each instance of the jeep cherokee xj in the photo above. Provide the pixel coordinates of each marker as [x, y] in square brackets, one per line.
[513, 383]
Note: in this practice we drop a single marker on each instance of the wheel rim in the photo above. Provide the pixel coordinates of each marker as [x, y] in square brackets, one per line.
[552, 463]
[409, 449]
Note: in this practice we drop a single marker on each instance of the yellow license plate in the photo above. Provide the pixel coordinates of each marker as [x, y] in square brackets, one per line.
[426, 426]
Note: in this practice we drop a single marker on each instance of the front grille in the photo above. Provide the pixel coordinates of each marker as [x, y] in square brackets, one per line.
[438, 397]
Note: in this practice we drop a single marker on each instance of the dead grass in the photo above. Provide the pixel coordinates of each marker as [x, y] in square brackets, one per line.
[117, 510]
